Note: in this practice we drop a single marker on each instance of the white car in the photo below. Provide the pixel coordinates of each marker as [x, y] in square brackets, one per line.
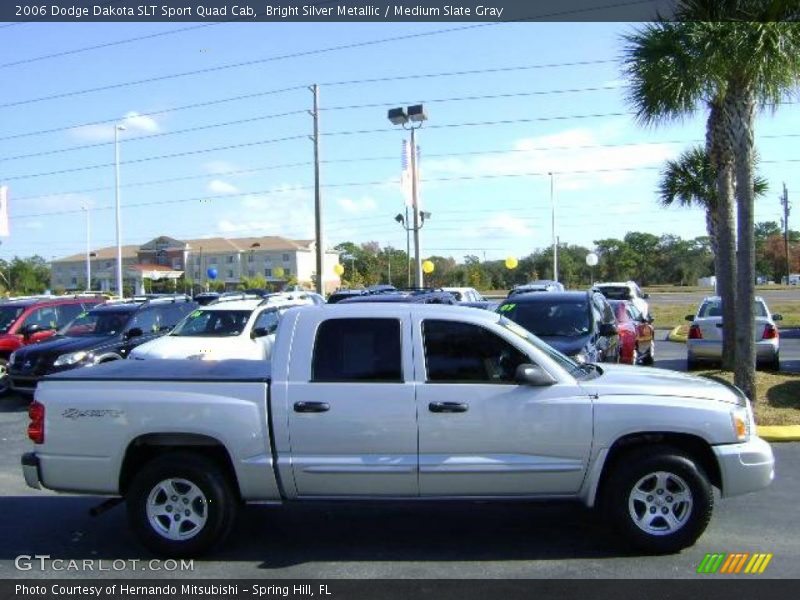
[704, 342]
[226, 329]
[625, 290]
[464, 294]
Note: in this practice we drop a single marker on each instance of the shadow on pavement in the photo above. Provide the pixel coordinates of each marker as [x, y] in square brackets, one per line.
[11, 403]
[278, 537]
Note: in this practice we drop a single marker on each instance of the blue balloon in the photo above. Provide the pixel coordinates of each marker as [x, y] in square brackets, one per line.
[212, 273]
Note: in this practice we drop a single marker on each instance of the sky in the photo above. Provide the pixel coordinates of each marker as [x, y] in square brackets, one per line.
[506, 103]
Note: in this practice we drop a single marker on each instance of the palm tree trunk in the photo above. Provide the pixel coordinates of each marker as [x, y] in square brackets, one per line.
[712, 229]
[741, 108]
[721, 158]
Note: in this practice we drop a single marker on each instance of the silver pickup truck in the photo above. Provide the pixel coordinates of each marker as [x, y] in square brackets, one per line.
[391, 401]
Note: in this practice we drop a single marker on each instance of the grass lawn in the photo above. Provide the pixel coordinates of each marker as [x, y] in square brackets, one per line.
[669, 316]
[778, 401]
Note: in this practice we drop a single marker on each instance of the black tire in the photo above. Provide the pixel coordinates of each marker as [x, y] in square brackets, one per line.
[220, 507]
[648, 359]
[639, 468]
[5, 383]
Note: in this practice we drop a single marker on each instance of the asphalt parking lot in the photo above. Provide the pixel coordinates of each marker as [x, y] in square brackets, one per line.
[399, 540]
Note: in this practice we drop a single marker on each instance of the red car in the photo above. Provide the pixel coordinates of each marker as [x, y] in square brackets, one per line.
[32, 320]
[636, 334]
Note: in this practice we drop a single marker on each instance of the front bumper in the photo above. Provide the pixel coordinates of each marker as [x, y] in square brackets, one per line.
[746, 467]
[30, 470]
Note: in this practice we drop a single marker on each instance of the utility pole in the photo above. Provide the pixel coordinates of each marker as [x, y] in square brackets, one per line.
[786, 210]
[553, 228]
[88, 249]
[415, 207]
[117, 129]
[317, 197]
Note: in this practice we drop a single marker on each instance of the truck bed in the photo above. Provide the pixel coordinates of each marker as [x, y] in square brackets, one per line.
[234, 370]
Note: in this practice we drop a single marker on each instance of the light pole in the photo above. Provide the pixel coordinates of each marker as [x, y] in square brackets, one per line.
[412, 118]
[117, 129]
[553, 227]
[423, 216]
[88, 248]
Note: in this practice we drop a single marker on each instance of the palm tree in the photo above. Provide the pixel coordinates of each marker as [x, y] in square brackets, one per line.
[691, 181]
[667, 80]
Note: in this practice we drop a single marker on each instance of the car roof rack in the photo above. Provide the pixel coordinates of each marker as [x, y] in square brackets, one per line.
[233, 298]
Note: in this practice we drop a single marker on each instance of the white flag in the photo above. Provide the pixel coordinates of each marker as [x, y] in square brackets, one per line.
[405, 174]
[4, 211]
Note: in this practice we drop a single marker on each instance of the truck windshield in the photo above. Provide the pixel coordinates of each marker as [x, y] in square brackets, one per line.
[577, 370]
[8, 315]
[96, 323]
[213, 323]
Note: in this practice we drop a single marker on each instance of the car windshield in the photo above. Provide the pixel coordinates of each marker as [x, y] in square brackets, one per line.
[568, 318]
[212, 323]
[575, 369]
[615, 292]
[713, 308]
[99, 323]
[9, 314]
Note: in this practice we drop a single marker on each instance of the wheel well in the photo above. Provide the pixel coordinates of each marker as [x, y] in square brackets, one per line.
[147, 447]
[692, 445]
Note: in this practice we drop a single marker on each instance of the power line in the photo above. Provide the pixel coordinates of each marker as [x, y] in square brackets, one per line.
[74, 51]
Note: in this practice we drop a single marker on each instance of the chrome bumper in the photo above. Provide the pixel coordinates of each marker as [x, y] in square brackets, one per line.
[30, 470]
[746, 467]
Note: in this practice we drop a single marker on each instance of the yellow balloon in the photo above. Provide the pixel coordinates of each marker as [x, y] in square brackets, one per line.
[511, 263]
[277, 272]
[338, 269]
[428, 267]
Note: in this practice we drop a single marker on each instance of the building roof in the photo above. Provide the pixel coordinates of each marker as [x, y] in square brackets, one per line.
[211, 245]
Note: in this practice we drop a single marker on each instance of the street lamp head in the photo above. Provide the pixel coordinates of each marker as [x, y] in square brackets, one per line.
[424, 215]
[397, 116]
[416, 113]
[400, 219]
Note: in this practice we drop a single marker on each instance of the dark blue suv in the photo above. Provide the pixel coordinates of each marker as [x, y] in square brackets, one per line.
[581, 325]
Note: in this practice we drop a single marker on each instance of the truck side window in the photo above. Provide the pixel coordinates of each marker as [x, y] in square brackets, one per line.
[357, 350]
[462, 352]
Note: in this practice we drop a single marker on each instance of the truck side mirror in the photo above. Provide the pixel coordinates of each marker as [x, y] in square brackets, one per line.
[30, 329]
[607, 329]
[134, 332]
[690, 317]
[259, 332]
[534, 375]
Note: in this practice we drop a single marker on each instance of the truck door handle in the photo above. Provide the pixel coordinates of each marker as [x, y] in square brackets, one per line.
[311, 407]
[448, 407]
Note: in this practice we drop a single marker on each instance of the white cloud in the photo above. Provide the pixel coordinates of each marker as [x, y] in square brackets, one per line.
[354, 207]
[218, 186]
[220, 167]
[285, 210]
[581, 158]
[506, 224]
[134, 122]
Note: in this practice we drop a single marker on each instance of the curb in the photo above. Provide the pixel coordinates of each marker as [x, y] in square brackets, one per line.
[676, 336]
[779, 433]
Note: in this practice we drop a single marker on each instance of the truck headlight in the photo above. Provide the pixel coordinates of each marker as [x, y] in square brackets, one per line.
[740, 419]
[70, 359]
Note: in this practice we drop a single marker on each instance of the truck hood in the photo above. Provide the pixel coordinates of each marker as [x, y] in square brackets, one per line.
[626, 380]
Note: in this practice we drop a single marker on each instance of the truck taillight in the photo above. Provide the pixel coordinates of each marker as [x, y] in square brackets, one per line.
[36, 426]
[770, 332]
[695, 333]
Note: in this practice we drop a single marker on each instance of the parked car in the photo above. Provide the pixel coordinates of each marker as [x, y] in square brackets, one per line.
[206, 298]
[464, 294]
[24, 322]
[626, 290]
[225, 329]
[541, 285]
[415, 296]
[704, 341]
[578, 324]
[384, 401]
[102, 334]
[637, 344]
[296, 297]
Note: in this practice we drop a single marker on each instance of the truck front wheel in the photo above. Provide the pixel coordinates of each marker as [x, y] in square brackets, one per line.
[180, 505]
[658, 499]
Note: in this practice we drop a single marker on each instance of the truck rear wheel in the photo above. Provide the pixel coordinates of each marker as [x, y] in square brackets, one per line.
[181, 505]
[658, 499]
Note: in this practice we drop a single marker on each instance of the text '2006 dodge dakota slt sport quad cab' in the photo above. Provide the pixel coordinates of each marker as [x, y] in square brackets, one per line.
[390, 401]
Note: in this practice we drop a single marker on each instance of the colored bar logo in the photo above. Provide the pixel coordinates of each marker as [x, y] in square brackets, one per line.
[734, 563]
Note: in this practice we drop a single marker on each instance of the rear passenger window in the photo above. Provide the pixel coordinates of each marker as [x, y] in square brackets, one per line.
[67, 312]
[357, 350]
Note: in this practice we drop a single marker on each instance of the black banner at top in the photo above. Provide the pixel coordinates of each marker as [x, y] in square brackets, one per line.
[332, 10]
